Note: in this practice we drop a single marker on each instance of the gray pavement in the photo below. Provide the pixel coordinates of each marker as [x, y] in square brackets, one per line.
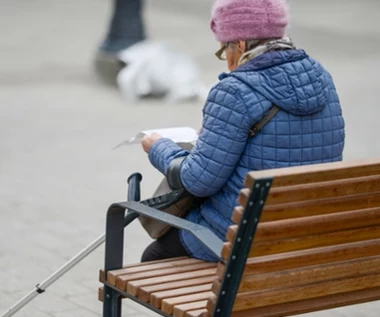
[58, 124]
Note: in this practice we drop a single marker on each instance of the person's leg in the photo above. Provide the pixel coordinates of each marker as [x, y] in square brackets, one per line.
[125, 29]
[169, 246]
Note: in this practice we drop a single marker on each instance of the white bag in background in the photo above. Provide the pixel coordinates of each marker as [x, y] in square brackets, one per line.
[156, 69]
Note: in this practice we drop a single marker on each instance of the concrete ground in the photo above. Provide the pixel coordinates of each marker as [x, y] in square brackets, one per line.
[58, 124]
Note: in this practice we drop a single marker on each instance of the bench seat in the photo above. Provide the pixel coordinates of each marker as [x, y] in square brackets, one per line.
[303, 239]
[178, 286]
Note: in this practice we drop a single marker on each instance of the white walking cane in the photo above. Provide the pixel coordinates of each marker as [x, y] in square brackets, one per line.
[133, 194]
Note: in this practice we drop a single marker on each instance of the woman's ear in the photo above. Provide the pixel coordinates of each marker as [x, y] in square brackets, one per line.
[242, 46]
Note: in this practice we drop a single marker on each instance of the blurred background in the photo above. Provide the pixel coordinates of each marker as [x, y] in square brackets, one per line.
[59, 122]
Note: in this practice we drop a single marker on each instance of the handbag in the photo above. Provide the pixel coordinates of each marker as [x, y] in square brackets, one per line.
[183, 202]
[179, 206]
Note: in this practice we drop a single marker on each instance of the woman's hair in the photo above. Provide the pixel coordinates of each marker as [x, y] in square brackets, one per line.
[251, 44]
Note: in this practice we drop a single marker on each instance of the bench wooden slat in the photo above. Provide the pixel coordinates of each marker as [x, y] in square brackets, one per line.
[305, 275]
[145, 291]
[196, 313]
[315, 191]
[157, 298]
[316, 173]
[101, 276]
[248, 300]
[237, 214]
[134, 286]
[211, 303]
[122, 280]
[323, 190]
[315, 241]
[169, 303]
[149, 267]
[226, 250]
[100, 294]
[308, 242]
[304, 226]
[128, 266]
[290, 260]
[310, 274]
[305, 306]
[314, 207]
[181, 310]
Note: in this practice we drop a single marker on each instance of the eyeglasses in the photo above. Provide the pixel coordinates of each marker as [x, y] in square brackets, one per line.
[221, 53]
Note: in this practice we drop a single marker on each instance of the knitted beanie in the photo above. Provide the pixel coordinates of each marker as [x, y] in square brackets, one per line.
[234, 20]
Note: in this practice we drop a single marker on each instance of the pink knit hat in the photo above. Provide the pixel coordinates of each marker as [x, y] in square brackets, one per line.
[233, 20]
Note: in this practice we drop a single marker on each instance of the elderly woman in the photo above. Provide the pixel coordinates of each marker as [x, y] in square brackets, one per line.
[267, 75]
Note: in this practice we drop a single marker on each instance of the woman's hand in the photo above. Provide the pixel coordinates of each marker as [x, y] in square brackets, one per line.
[148, 140]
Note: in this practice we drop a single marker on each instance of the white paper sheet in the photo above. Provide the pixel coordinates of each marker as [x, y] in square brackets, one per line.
[183, 136]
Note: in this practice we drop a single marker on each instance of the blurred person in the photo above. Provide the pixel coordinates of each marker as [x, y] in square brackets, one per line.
[126, 29]
[266, 72]
[130, 61]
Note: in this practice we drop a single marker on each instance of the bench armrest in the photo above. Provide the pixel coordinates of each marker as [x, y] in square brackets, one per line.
[117, 220]
[204, 235]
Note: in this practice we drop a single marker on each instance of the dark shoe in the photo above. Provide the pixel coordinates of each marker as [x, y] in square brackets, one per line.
[107, 66]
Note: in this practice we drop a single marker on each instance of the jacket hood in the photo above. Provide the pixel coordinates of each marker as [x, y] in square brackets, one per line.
[289, 79]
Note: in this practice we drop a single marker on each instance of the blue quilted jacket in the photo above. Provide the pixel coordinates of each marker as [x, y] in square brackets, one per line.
[308, 129]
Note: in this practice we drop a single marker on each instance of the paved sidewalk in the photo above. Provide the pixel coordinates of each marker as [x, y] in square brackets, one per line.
[58, 174]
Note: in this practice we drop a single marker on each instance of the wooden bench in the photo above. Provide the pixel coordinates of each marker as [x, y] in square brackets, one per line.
[305, 239]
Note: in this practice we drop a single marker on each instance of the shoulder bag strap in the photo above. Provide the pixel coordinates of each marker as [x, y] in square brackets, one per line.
[258, 126]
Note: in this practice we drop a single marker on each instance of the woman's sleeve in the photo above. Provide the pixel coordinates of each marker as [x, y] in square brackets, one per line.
[162, 152]
[218, 149]
[220, 145]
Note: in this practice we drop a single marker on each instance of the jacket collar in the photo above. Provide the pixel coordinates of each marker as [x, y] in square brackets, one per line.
[267, 60]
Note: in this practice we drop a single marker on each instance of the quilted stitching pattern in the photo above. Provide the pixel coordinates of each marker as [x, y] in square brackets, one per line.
[308, 130]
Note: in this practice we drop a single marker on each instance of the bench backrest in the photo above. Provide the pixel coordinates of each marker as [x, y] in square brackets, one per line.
[316, 242]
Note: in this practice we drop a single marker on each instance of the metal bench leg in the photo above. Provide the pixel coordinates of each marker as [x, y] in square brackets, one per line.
[111, 303]
[114, 256]
[114, 246]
